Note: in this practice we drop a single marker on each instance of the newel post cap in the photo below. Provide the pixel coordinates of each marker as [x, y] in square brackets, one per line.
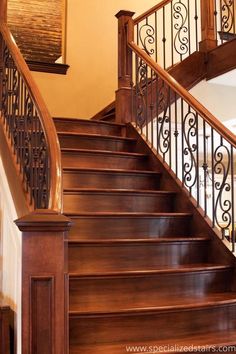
[44, 220]
[124, 13]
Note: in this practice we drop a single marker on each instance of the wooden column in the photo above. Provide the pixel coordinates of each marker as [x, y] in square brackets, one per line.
[208, 26]
[123, 94]
[44, 284]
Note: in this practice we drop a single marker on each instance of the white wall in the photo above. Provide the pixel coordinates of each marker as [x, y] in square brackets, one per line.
[218, 99]
[10, 253]
[91, 52]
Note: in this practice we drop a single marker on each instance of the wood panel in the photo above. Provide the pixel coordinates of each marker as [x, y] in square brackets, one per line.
[221, 59]
[37, 28]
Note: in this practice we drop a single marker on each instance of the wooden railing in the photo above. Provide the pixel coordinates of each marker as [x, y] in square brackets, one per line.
[32, 160]
[192, 143]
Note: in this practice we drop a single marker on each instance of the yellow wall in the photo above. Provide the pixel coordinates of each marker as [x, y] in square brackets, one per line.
[91, 52]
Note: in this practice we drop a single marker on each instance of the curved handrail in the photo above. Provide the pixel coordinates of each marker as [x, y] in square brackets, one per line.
[151, 11]
[55, 196]
[183, 93]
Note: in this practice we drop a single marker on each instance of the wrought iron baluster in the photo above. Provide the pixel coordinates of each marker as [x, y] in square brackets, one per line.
[232, 198]
[164, 37]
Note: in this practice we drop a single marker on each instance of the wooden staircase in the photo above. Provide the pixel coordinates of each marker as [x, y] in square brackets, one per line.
[143, 268]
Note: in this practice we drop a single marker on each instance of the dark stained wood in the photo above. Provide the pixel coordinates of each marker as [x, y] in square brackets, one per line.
[123, 94]
[221, 59]
[186, 344]
[85, 126]
[208, 29]
[5, 329]
[37, 28]
[152, 325]
[109, 109]
[95, 293]
[129, 225]
[43, 283]
[190, 71]
[102, 159]
[96, 142]
[109, 256]
[113, 200]
[110, 178]
[54, 68]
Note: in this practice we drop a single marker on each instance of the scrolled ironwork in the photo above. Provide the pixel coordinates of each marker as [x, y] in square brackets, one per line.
[147, 38]
[227, 15]
[141, 87]
[190, 149]
[25, 132]
[223, 205]
[181, 39]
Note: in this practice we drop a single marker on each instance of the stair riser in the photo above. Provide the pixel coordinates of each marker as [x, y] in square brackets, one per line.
[84, 179]
[122, 202]
[88, 160]
[88, 127]
[129, 227]
[100, 143]
[151, 326]
[105, 293]
[90, 259]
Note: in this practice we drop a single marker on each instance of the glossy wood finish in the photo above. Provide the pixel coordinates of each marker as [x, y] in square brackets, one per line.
[123, 94]
[208, 29]
[96, 142]
[73, 125]
[55, 199]
[129, 225]
[120, 255]
[43, 282]
[130, 248]
[221, 59]
[103, 159]
[110, 178]
[140, 290]
[82, 200]
[5, 329]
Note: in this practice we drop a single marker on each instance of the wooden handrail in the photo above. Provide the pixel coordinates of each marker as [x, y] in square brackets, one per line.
[55, 197]
[151, 11]
[183, 93]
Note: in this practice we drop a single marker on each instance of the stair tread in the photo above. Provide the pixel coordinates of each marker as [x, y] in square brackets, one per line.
[103, 136]
[139, 241]
[162, 270]
[128, 214]
[163, 304]
[110, 170]
[175, 345]
[88, 121]
[106, 152]
[117, 191]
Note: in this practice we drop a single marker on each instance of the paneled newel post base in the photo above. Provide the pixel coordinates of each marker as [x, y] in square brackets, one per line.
[44, 303]
[123, 94]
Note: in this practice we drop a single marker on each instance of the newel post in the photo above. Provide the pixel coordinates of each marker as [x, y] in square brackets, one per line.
[123, 94]
[208, 29]
[44, 282]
